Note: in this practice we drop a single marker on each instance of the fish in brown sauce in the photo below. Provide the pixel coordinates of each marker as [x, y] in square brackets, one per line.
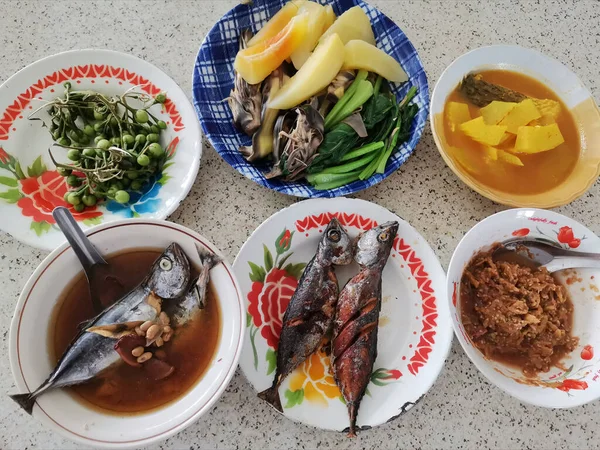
[309, 315]
[354, 343]
[132, 320]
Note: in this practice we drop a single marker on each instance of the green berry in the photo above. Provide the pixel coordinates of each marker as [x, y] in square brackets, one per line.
[65, 142]
[132, 174]
[73, 180]
[98, 115]
[89, 200]
[74, 155]
[79, 207]
[162, 124]
[152, 137]
[155, 150]
[136, 185]
[155, 129]
[143, 160]
[103, 144]
[121, 196]
[73, 198]
[89, 130]
[141, 116]
[90, 152]
[128, 139]
[140, 139]
[63, 172]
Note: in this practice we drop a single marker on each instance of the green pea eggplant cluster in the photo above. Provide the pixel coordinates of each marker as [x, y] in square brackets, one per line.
[113, 147]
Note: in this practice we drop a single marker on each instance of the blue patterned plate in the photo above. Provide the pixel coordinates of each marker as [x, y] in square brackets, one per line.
[213, 80]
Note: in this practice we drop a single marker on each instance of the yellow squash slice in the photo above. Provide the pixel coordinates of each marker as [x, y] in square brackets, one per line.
[316, 74]
[329, 17]
[485, 134]
[509, 158]
[457, 113]
[362, 55]
[538, 139]
[520, 115]
[496, 111]
[491, 153]
[316, 21]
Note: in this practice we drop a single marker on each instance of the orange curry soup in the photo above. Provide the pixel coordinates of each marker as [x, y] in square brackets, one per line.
[541, 171]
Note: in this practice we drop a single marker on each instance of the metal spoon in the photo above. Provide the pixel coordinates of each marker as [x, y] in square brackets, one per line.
[95, 267]
[543, 252]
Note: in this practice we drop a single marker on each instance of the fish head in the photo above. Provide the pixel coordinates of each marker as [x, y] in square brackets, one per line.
[374, 245]
[335, 247]
[170, 274]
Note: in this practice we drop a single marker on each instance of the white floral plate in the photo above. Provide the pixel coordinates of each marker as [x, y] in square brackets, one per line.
[578, 381]
[30, 188]
[414, 327]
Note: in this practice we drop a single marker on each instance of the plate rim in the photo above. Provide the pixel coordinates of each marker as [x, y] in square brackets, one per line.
[313, 193]
[198, 148]
[448, 334]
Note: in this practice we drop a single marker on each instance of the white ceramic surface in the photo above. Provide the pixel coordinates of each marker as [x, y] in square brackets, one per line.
[414, 330]
[30, 328]
[27, 199]
[558, 388]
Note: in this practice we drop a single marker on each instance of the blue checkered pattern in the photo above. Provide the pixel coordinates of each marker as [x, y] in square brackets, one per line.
[213, 80]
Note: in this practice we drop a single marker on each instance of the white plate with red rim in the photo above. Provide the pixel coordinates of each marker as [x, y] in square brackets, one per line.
[414, 328]
[29, 192]
[558, 388]
[31, 325]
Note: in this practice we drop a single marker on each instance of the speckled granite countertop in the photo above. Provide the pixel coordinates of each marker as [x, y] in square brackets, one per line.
[462, 410]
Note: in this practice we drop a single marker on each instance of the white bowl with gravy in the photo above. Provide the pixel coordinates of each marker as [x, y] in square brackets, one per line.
[121, 408]
[567, 376]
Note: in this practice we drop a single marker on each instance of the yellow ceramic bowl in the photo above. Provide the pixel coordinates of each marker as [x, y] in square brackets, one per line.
[557, 77]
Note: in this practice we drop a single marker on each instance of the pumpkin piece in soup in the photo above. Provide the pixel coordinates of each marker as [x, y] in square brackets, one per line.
[496, 111]
[520, 115]
[491, 153]
[547, 108]
[457, 113]
[509, 158]
[538, 139]
[485, 134]
[467, 160]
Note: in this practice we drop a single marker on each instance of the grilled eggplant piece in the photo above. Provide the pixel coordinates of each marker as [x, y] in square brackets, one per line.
[245, 100]
[481, 93]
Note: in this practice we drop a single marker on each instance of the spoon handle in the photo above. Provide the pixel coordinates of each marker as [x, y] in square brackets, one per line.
[84, 250]
[561, 262]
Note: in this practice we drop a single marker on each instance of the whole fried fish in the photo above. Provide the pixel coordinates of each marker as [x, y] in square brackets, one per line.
[93, 349]
[310, 312]
[354, 344]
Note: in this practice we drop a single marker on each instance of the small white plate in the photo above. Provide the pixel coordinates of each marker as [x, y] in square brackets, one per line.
[558, 388]
[414, 327]
[30, 328]
[28, 194]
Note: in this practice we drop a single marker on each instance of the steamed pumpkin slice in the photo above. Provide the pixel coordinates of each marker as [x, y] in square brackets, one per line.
[496, 111]
[256, 63]
[329, 18]
[457, 113]
[351, 25]
[522, 114]
[537, 139]
[316, 74]
[483, 133]
[277, 23]
[317, 15]
[491, 153]
[362, 55]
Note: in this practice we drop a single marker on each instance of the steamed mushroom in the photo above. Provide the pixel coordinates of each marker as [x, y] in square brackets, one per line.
[245, 100]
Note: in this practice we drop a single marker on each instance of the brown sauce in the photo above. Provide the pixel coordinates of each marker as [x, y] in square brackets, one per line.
[540, 172]
[122, 388]
[515, 314]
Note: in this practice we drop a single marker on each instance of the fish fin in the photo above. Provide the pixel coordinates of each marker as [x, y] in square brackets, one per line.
[25, 401]
[271, 396]
[208, 258]
[352, 413]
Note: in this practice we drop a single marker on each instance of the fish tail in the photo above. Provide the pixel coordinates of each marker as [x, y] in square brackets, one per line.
[352, 413]
[26, 401]
[271, 396]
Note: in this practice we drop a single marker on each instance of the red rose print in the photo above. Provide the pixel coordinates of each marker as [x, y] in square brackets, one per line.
[587, 353]
[268, 302]
[567, 385]
[285, 239]
[520, 233]
[575, 243]
[3, 156]
[44, 193]
[565, 235]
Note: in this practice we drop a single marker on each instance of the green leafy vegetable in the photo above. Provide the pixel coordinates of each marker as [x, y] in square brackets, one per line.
[363, 92]
[335, 144]
[341, 104]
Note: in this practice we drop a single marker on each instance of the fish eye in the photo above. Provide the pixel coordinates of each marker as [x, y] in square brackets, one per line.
[165, 264]
[383, 236]
[334, 235]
